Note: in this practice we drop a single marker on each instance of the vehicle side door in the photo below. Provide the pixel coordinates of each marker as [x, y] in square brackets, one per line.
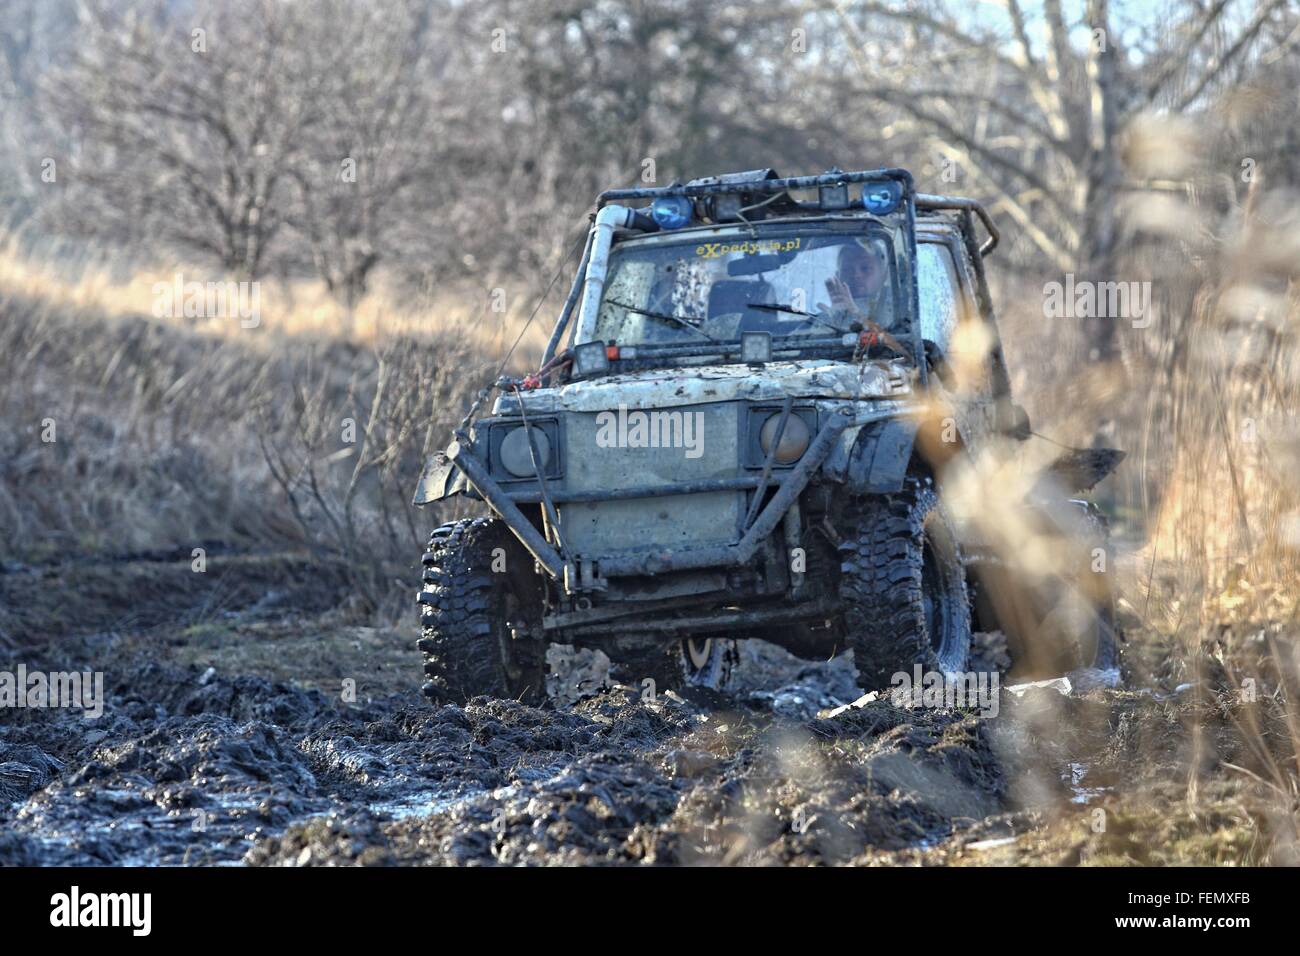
[963, 340]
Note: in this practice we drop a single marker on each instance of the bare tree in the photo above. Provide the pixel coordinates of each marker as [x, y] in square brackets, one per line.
[32, 33]
[1039, 122]
[188, 125]
[448, 142]
[367, 167]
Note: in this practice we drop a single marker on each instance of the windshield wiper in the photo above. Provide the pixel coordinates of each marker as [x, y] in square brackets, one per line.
[889, 340]
[664, 316]
[773, 307]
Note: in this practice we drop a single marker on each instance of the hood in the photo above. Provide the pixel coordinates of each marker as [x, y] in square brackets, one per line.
[700, 384]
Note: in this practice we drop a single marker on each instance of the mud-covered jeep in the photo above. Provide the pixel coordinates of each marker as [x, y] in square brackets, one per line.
[747, 437]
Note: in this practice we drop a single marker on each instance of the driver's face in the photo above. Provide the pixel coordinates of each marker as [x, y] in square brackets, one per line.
[862, 274]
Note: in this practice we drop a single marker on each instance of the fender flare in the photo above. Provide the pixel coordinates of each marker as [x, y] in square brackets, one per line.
[439, 480]
[878, 460]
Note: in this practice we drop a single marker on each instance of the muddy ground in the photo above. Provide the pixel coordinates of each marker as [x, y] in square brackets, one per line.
[252, 718]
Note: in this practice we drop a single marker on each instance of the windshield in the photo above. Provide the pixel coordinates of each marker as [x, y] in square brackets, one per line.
[795, 282]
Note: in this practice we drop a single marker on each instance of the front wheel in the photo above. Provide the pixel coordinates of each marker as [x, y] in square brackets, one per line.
[481, 604]
[903, 587]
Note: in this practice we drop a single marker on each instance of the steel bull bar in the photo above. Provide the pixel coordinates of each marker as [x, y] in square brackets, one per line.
[657, 562]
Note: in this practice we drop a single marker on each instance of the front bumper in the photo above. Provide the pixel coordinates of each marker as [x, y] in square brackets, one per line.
[650, 561]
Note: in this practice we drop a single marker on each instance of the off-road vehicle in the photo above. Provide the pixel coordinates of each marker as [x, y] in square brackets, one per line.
[740, 429]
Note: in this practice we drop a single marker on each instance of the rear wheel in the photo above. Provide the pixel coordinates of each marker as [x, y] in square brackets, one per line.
[707, 661]
[692, 662]
[1079, 629]
[481, 604]
[1102, 652]
[903, 587]
[1062, 619]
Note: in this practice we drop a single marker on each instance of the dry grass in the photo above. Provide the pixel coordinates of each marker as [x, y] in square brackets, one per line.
[486, 319]
[1206, 402]
[129, 433]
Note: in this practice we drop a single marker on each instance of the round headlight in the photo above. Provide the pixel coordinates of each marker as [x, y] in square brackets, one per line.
[794, 440]
[515, 455]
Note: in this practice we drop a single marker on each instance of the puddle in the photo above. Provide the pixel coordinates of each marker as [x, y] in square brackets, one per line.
[1074, 776]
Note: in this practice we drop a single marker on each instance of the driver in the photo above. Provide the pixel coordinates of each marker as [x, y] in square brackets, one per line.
[859, 290]
[859, 284]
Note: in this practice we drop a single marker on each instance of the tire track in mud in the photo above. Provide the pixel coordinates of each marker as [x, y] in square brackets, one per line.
[191, 767]
[196, 765]
[197, 768]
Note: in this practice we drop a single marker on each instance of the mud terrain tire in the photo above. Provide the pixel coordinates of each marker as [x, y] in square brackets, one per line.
[903, 587]
[475, 621]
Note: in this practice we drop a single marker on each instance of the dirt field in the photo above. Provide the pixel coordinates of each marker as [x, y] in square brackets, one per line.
[226, 738]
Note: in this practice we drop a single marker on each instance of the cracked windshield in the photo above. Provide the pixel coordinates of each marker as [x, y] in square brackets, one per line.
[789, 284]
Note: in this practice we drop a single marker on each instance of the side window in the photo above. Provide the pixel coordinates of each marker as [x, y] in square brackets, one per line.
[939, 292]
[949, 319]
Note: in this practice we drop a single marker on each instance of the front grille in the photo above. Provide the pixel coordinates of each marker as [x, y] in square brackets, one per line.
[615, 450]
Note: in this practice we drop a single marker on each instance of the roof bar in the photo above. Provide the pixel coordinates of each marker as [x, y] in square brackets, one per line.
[927, 201]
